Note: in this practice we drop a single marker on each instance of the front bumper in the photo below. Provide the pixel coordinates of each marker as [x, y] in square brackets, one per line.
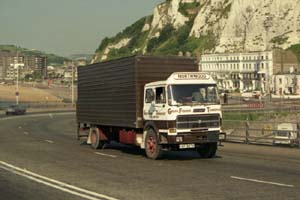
[190, 138]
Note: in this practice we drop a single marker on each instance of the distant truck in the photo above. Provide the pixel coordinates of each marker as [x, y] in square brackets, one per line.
[286, 133]
[155, 103]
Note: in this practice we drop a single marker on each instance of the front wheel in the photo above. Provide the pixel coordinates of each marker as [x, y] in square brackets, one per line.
[208, 150]
[96, 142]
[152, 148]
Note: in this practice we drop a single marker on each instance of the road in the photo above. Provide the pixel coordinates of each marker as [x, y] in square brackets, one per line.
[40, 158]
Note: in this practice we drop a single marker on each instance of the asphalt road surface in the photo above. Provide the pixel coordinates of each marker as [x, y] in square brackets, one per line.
[40, 158]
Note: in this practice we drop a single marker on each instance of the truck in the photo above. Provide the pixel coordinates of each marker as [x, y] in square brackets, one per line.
[153, 102]
[286, 133]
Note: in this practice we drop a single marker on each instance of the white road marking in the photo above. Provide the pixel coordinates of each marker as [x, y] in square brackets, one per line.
[104, 154]
[26, 133]
[49, 141]
[260, 181]
[55, 183]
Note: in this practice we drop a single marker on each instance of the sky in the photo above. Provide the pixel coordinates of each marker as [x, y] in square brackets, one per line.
[66, 27]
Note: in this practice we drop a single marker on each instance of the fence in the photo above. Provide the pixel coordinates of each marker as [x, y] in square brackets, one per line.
[38, 104]
[262, 132]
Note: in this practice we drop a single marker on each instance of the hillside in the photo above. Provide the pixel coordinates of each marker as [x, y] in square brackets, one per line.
[218, 26]
[51, 58]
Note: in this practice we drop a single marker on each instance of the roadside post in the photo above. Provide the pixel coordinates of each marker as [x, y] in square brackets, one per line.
[247, 132]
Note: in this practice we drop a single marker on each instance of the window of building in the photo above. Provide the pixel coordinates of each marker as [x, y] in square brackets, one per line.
[280, 81]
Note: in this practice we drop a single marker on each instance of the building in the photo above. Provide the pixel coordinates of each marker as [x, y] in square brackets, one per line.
[286, 84]
[31, 64]
[248, 71]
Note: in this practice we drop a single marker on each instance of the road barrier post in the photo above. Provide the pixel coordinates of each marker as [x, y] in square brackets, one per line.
[247, 132]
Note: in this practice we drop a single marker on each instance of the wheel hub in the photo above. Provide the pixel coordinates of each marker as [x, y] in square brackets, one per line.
[151, 145]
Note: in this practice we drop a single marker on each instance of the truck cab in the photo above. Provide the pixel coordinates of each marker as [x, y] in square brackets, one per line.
[184, 112]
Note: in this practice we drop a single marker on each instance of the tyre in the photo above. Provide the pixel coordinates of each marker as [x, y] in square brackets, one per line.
[96, 143]
[208, 150]
[152, 148]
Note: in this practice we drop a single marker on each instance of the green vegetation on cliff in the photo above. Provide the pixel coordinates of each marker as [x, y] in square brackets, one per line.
[171, 42]
[188, 8]
[136, 43]
[296, 49]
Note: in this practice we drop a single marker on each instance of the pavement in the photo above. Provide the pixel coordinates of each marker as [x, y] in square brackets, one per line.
[40, 158]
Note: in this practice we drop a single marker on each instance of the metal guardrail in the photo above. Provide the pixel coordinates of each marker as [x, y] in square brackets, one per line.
[249, 135]
[33, 104]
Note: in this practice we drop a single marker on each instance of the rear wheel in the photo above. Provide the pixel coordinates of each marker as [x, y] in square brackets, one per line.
[152, 148]
[208, 150]
[96, 142]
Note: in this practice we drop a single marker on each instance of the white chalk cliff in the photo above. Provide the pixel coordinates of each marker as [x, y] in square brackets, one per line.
[235, 25]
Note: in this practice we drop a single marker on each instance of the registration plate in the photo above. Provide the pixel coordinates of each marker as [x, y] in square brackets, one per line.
[186, 146]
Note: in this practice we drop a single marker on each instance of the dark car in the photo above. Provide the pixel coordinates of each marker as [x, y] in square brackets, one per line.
[15, 110]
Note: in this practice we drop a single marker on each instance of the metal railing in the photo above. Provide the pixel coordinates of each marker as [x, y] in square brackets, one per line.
[38, 104]
[258, 132]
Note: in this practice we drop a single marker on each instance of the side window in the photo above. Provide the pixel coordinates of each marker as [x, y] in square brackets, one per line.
[160, 95]
[149, 96]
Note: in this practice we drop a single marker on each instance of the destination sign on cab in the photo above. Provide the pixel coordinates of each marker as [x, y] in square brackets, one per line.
[191, 76]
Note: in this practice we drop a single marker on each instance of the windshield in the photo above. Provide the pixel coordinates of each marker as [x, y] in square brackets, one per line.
[193, 94]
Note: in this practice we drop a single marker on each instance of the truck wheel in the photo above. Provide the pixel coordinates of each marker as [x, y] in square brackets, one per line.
[208, 150]
[96, 143]
[152, 148]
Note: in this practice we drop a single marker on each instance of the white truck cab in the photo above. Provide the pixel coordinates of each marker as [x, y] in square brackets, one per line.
[184, 110]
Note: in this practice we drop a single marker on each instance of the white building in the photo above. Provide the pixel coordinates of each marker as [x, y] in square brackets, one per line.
[248, 71]
[242, 71]
[286, 84]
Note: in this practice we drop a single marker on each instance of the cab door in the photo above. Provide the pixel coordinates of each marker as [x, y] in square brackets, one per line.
[149, 101]
[155, 103]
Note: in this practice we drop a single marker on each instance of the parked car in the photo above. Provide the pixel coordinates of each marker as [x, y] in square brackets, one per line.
[15, 110]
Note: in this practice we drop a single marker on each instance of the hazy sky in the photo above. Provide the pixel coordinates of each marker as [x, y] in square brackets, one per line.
[67, 27]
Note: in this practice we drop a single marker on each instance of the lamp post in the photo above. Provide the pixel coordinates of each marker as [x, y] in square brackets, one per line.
[72, 86]
[16, 66]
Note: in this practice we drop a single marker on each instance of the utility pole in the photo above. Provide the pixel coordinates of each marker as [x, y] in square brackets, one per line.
[267, 25]
[73, 65]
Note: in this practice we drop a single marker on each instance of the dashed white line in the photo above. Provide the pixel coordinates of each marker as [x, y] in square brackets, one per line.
[104, 154]
[55, 183]
[49, 141]
[260, 181]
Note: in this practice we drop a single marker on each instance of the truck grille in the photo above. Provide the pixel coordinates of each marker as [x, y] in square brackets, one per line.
[198, 121]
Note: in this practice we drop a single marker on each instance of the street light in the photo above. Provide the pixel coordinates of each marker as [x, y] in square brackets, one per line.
[16, 66]
[73, 79]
